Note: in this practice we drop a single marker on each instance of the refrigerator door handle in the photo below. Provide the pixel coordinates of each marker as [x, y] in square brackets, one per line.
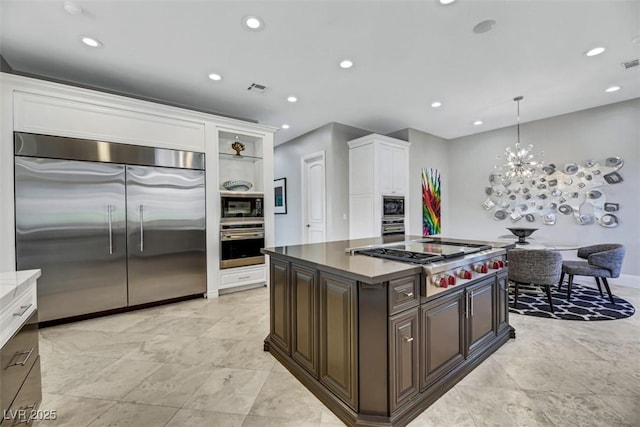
[109, 211]
[141, 228]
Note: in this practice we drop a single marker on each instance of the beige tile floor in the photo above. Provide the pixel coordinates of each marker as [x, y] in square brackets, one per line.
[201, 363]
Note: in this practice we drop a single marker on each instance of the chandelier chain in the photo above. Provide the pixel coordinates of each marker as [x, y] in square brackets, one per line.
[518, 99]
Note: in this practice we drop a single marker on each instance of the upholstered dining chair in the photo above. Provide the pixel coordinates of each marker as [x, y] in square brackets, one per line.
[602, 261]
[534, 266]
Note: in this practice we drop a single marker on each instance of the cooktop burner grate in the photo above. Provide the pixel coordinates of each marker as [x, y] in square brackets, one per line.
[400, 255]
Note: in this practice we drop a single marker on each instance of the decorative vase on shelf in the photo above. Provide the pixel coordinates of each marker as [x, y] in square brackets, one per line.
[238, 147]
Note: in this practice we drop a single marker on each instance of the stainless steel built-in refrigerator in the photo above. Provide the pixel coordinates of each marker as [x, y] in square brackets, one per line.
[110, 225]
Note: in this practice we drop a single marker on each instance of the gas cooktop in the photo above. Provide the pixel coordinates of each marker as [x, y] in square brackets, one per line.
[423, 251]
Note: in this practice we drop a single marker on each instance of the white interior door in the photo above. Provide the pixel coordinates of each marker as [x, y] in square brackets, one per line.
[313, 198]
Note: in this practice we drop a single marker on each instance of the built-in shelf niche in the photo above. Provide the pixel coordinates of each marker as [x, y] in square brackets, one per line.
[248, 166]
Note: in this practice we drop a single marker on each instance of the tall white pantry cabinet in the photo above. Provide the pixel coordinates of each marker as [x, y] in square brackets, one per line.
[36, 106]
[378, 166]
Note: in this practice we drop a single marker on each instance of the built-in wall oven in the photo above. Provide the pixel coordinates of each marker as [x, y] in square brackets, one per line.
[241, 229]
[240, 244]
[392, 215]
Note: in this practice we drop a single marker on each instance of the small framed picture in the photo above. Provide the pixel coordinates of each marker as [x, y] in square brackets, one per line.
[280, 195]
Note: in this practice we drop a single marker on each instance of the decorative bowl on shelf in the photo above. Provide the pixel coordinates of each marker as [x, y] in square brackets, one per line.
[237, 185]
[522, 233]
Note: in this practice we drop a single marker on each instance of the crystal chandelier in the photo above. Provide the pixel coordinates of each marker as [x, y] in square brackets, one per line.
[520, 163]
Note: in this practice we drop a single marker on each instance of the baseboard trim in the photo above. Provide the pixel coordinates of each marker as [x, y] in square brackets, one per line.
[626, 280]
[231, 289]
[212, 294]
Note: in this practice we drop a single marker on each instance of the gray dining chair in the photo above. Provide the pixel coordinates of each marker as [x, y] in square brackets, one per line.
[603, 261]
[534, 266]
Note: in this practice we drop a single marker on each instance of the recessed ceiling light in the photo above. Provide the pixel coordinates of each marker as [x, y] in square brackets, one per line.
[595, 51]
[477, 122]
[446, 1]
[292, 99]
[346, 63]
[612, 89]
[484, 26]
[436, 104]
[285, 126]
[214, 76]
[253, 23]
[72, 8]
[90, 41]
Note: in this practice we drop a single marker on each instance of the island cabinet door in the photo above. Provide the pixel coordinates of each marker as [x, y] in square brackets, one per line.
[442, 340]
[338, 336]
[304, 322]
[403, 357]
[482, 325]
[280, 304]
[503, 302]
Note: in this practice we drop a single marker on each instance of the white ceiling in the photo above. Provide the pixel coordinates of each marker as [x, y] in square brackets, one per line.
[407, 55]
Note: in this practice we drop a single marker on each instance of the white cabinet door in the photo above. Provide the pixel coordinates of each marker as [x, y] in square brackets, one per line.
[361, 172]
[399, 170]
[385, 168]
[392, 169]
[362, 221]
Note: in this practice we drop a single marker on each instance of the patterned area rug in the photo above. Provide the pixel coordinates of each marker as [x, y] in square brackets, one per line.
[586, 304]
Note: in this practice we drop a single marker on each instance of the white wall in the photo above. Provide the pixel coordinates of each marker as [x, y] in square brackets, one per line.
[332, 138]
[426, 151]
[598, 133]
[286, 164]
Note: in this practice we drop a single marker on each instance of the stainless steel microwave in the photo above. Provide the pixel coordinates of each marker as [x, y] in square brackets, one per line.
[241, 206]
[392, 206]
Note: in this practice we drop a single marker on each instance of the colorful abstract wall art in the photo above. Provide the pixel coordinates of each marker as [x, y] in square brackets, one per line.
[431, 195]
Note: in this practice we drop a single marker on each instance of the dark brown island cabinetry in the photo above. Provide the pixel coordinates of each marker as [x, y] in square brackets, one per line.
[20, 379]
[375, 349]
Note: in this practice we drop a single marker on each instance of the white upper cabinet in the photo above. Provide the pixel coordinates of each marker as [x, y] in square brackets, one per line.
[392, 168]
[361, 177]
[378, 164]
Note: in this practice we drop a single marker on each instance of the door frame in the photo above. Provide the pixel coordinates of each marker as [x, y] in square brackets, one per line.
[318, 155]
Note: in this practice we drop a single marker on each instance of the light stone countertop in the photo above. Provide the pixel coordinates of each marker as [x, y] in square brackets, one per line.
[13, 285]
[333, 257]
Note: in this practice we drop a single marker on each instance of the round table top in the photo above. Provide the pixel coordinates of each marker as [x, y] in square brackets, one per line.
[540, 244]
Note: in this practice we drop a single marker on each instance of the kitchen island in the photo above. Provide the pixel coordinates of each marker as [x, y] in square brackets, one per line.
[379, 340]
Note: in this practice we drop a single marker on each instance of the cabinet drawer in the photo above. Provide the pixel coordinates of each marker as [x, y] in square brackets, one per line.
[27, 401]
[16, 358]
[17, 313]
[245, 276]
[403, 293]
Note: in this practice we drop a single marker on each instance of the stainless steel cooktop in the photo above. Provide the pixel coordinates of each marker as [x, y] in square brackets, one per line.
[424, 251]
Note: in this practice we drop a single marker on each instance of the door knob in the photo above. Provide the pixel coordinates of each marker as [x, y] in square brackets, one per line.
[308, 226]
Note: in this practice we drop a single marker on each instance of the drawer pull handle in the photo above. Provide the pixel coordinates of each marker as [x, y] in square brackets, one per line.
[23, 310]
[408, 339]
[243, 277]
[408, 294]
[24, 361]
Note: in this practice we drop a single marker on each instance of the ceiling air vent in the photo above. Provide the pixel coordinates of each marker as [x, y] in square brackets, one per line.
[258, 88]
[630, 64]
